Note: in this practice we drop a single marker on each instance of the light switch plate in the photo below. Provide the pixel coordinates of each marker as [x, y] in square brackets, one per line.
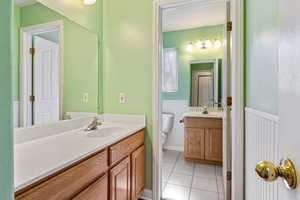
[122, 98]
[85, 97]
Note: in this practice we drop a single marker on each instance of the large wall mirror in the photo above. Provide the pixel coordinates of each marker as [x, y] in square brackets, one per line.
[56, 71]
[192, 65]
[206, 83]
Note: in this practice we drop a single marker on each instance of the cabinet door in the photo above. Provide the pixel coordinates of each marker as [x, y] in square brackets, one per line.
[97, 191]
[120, 181]
[137, 172]
[194, 143]
[213, 144]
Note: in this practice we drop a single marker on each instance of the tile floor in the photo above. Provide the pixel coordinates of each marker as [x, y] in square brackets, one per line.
[183, 180]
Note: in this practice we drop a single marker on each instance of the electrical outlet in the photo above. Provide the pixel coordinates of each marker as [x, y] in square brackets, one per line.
[85, 97]
[122, 98]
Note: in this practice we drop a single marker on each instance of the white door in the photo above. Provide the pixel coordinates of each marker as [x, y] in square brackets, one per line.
[205, 90]
[45, 81]
[289, 90]
[277, 138]
[202, 88]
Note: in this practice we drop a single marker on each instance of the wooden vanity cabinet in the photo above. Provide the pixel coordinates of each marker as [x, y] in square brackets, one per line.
[96, 191]
[194, 143]
[137, 173]
[115, 173]
[213, 144]
[203, 140]
[120, 177]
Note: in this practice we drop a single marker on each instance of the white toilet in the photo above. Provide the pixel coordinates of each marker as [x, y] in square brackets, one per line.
[167, 125]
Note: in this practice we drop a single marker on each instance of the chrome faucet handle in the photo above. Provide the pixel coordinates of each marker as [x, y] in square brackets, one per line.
[204, 108]
[93, 125]
[97, 121]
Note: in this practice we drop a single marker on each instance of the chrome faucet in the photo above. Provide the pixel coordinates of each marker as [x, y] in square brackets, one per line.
[93, 125]
[204, 110]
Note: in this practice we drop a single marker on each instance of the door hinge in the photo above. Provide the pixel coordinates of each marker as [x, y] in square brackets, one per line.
[32, 51]
[32, 98]
[228, 175]
[229, 26]
[229, 101]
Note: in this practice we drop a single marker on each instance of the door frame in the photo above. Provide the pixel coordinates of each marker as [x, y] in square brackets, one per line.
[237, 73]
[26, 35]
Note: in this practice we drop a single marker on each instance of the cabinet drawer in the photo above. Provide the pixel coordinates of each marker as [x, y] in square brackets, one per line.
[70, 182]
[97, 191]
[122, 149]
[194, 122]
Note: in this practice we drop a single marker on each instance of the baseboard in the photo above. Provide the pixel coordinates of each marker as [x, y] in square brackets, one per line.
[174, 148]
[147, 195]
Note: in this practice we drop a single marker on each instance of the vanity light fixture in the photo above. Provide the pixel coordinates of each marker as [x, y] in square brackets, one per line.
[189, 48]
[199, 44]
[208, 44]
[218, 43]
[89, 2]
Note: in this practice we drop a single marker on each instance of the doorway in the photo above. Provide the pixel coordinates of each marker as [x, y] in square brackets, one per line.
[232, 92]
[192, 122]
[41, 69]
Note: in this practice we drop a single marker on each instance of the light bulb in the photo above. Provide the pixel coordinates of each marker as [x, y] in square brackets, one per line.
[208, 44]
[89, 2]
[189, 48]
[199, 44]
[218, 43]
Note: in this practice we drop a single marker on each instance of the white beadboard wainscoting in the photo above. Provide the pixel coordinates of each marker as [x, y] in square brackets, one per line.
[175, 139]
[261, 143]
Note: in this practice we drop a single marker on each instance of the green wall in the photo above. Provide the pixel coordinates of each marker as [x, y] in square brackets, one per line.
[80, 58]
[180, 39]
[261, 55]
[75, 11]
[6, 143]
[127, 67]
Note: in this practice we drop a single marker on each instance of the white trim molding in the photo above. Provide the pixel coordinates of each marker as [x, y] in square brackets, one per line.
[237, 76]
[174, 148]
[147, 195]
[26, 34]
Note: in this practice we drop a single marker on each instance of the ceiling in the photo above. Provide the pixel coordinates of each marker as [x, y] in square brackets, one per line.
[194, 15]
[24, 2]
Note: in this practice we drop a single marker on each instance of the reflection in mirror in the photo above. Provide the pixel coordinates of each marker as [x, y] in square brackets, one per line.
[58, 67]
[206, 83]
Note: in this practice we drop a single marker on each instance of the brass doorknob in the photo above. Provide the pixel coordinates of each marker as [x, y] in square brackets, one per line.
[269, 172]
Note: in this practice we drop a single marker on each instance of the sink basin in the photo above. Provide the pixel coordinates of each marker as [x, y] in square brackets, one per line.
[104, 132]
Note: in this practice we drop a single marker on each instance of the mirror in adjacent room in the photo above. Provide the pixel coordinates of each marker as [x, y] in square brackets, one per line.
[206, 83]
[56, 69]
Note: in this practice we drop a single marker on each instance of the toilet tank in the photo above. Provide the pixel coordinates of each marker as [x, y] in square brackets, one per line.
[167, 122]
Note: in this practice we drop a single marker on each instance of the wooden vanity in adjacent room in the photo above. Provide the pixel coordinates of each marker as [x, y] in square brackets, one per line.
[203, 138]
[115, 172]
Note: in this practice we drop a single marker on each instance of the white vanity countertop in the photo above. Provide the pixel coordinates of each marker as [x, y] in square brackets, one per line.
[200, 114]
[39, 158]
